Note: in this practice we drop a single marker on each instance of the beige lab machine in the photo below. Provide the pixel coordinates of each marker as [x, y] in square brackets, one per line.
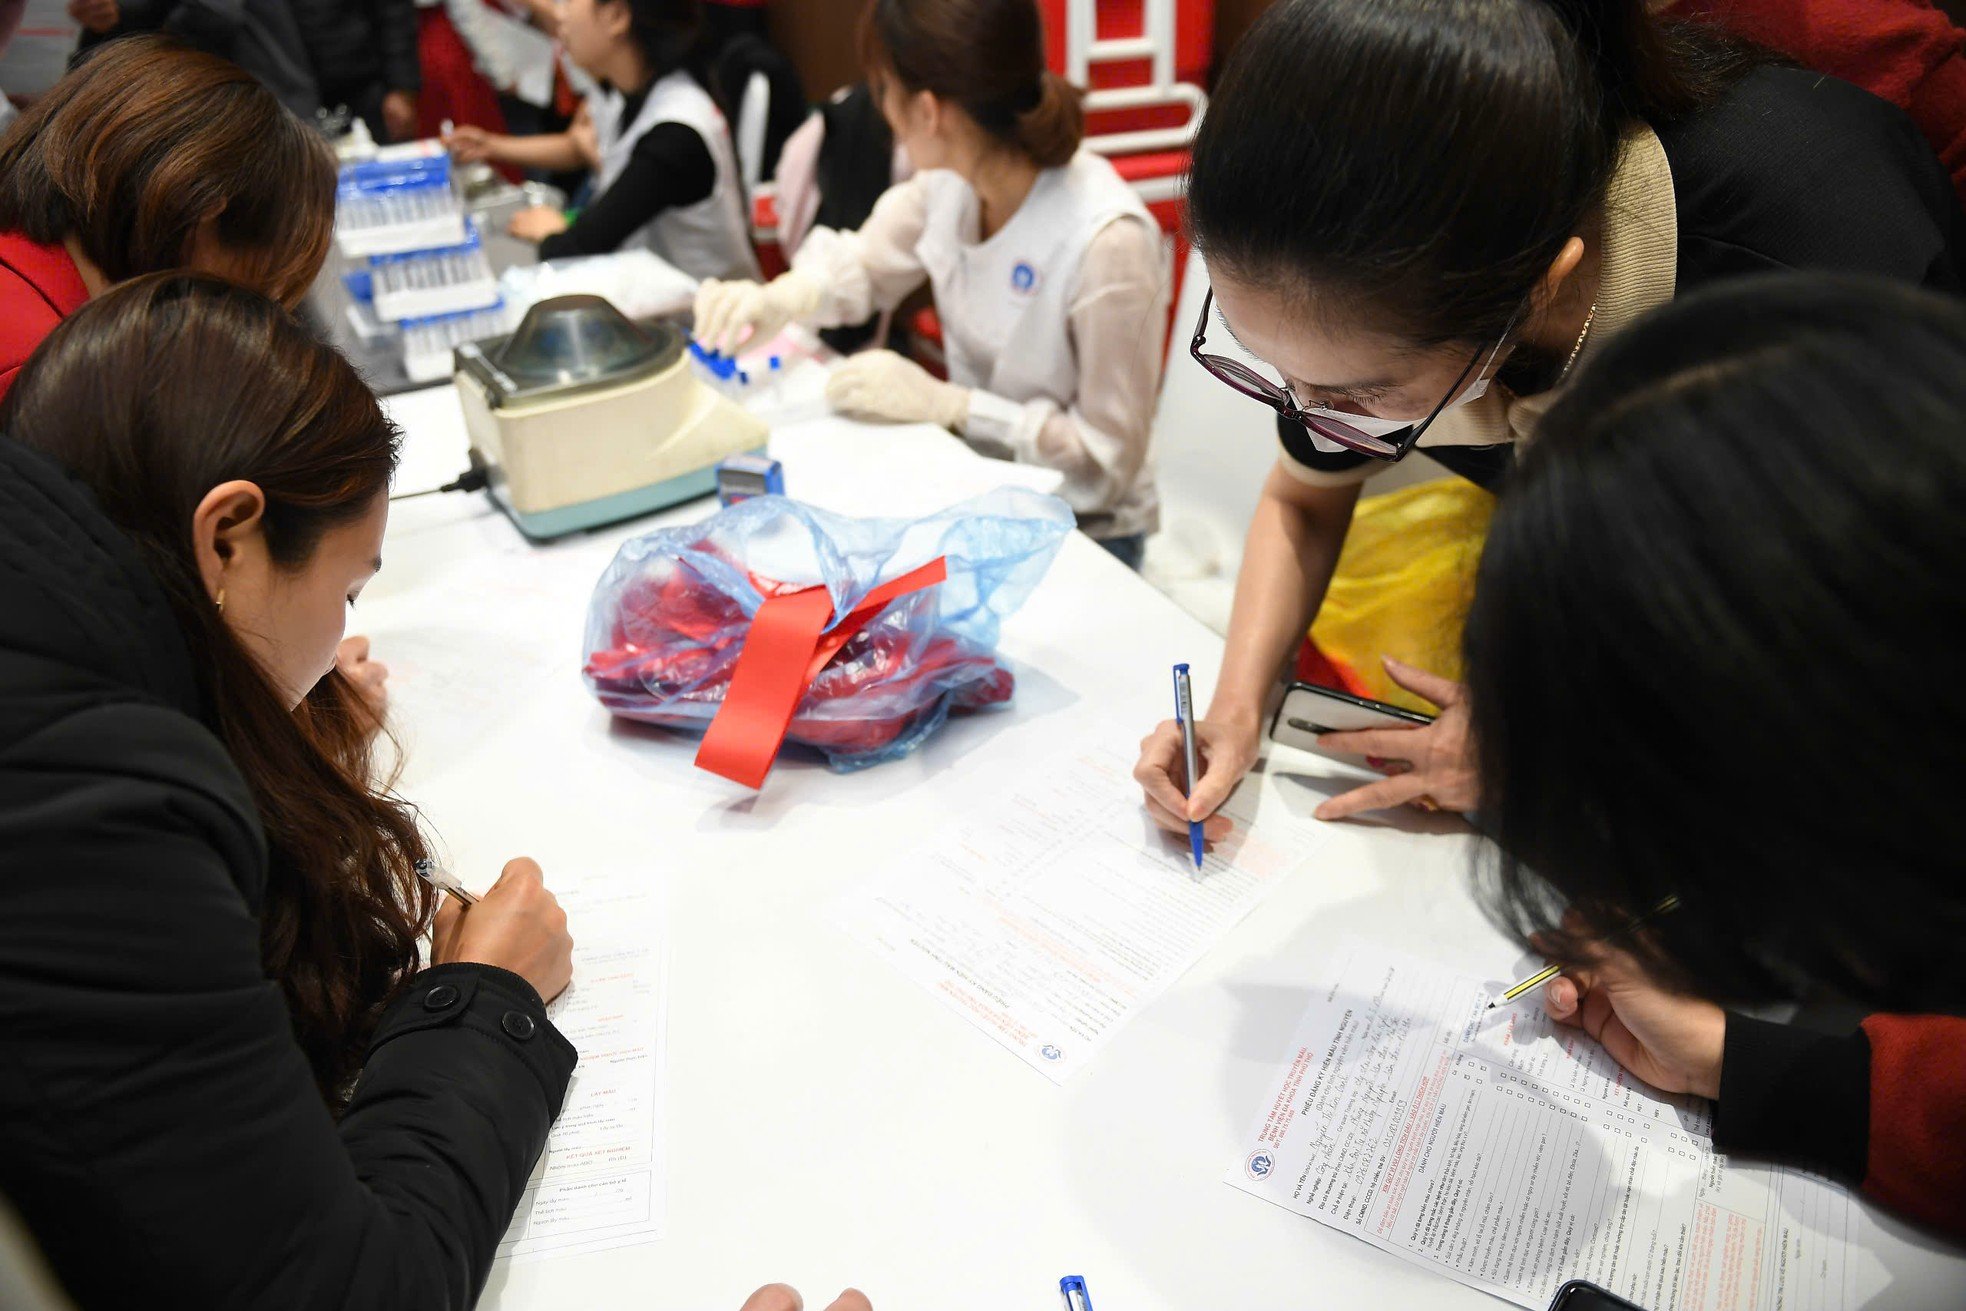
[583, 417]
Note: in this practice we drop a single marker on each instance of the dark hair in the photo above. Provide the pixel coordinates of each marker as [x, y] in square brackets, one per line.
[152, 394]
[1423, 162]
[986, 56]
[1713, 646]
[147, 139]
[669, 34]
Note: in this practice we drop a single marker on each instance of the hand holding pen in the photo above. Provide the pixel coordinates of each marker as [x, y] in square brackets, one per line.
[516, 925]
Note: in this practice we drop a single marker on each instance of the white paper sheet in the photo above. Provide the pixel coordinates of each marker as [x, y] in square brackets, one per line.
[1052, 917]
[599, 1182]
[1511, 1154]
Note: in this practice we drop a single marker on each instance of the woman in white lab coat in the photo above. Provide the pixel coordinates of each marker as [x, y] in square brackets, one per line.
[665, 174]
[1048, 272]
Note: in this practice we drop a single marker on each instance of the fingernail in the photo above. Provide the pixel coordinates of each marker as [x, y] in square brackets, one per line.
[1377, 762]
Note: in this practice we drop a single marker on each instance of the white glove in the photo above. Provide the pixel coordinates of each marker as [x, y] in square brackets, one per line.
[883, 386]
[733, 314]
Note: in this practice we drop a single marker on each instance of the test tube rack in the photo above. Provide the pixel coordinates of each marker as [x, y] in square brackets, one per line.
[386, 206]
[428, 343]
[419, 284]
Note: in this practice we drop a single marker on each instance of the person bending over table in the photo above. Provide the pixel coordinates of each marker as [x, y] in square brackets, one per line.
[665, 173]
[1048, 272]
[152, 156]
[230, 1079]
[1422, 217]
[1713, 655]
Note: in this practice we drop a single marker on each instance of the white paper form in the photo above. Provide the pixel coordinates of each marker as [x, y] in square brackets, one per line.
[599, 1183]
[1050, 919]
[1511, 1154]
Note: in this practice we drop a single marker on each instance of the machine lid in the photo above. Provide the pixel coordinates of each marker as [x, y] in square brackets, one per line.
[570, 344]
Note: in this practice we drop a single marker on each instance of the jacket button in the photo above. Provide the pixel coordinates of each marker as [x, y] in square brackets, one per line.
[440, 998]
[518, 1024]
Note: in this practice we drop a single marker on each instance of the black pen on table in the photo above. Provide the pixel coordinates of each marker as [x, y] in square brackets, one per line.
[1549, 972]
[427, 871]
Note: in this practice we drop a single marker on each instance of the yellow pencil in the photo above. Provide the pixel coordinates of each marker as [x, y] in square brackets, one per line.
[1549, 972]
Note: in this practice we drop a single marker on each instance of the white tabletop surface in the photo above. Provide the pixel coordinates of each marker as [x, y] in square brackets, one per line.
[829, 1123]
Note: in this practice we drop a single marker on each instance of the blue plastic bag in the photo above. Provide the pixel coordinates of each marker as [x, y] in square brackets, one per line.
[672, 611]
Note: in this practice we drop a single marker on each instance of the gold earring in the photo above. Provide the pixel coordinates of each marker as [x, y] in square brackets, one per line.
[221, 599]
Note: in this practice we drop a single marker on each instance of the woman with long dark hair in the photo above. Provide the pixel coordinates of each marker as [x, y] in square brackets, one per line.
[665, 171]
[1713, 655]
[1048, 272]
[1423, 216]
[228, 1079]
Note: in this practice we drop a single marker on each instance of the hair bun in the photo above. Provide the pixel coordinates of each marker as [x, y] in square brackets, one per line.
[1050, 131]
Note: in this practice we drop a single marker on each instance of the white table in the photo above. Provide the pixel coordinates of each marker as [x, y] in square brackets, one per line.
[829, 1123]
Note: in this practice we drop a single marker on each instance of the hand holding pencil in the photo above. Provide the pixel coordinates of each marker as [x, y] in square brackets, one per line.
[1548, 972]
[1672, 1041]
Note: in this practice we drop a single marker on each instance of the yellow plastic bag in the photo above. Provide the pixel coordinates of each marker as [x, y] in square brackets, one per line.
[1403, 584]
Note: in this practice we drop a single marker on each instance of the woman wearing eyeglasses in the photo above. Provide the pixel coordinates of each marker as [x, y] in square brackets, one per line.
[1419, 217]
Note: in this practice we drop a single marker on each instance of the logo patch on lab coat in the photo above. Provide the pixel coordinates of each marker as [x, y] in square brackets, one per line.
[1023, 277]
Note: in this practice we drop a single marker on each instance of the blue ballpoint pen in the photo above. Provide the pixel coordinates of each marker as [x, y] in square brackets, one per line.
[1072, 1289]
[1184, 714]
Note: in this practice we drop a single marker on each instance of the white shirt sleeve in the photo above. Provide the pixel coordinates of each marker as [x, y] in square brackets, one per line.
[1117, 324]
[872, 270]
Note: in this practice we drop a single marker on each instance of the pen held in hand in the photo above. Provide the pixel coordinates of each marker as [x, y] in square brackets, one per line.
[1549, 972]
[444, 883]
[1184, 714]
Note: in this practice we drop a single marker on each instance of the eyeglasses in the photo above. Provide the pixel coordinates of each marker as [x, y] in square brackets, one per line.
[1255, 386]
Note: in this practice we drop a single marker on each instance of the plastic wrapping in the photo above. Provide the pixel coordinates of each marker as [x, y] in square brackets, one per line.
[672, 612]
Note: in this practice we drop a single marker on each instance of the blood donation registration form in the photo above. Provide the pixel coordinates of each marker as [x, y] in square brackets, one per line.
[1051, 917]
[1512, 1154]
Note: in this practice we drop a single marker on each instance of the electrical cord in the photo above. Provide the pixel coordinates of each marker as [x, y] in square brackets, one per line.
[473, 479]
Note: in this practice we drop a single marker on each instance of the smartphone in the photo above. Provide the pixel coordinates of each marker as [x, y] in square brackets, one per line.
[1578, 1295]
[1308, 710]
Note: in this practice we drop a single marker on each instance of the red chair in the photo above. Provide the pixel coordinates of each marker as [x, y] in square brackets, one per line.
[1143, 63]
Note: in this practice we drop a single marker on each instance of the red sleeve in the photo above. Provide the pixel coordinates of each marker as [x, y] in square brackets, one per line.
[24, 320]
[1917, 1159]
[1906, 51]
[38, 286]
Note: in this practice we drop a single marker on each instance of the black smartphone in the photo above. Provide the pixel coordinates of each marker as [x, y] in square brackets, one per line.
[1580, 1295]
[1308, 710]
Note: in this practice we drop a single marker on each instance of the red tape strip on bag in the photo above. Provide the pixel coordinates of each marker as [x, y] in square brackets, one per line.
[786, 648]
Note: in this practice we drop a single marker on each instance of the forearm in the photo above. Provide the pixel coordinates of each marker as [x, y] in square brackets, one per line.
[1288, 559]
[552, 151]
[871, 270]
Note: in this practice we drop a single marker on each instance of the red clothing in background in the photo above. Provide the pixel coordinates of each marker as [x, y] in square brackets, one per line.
[39, 287]
[453, 88]
[1906, 51]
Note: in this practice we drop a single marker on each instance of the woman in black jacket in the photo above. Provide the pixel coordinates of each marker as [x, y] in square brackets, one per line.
[225, 1079]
